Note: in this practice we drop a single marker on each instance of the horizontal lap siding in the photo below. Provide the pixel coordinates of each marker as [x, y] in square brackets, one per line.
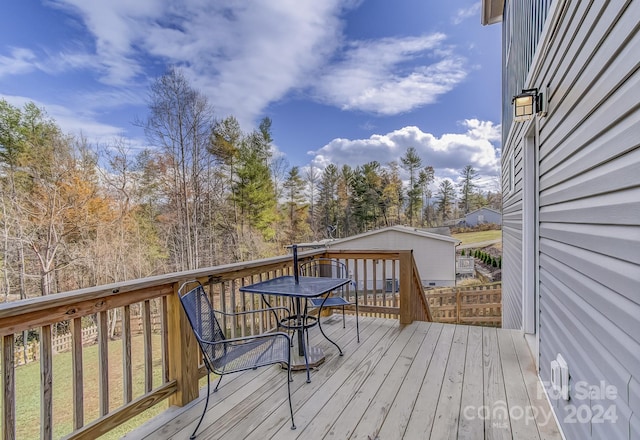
[435, 258]
[589, 166]
[512, 245]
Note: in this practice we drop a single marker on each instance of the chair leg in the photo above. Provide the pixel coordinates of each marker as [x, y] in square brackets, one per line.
[344, 325]
[218, 384]
[357, 324]
[329, 339]
[206, 404]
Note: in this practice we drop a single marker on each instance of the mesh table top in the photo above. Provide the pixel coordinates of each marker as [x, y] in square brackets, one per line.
[307, 287]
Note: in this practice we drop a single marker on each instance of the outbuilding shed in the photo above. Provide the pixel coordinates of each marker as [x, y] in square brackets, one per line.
[435, 254]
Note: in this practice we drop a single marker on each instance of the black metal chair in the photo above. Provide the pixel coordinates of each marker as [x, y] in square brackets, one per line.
[222, 355]
[329, 267]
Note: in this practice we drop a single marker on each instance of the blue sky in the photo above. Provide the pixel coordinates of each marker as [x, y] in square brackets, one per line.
[344, 81]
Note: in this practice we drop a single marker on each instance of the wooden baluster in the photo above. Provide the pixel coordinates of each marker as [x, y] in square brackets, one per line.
[127, 376]
[374, 276]
[393, 300]
[243, 301]
[164, 334]
[103, 361]
[262, 316]
[384, 286]
[223, 306]
[365, 285]
[77, 377]
[234, 320]
[148, 348]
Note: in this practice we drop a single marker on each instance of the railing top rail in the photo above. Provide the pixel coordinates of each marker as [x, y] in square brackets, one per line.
[63, 300]
[218, 273]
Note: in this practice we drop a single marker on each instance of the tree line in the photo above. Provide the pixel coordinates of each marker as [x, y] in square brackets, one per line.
[206, 193]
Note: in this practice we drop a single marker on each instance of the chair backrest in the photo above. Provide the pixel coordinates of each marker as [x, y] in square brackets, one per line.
[201, 316]
[324, 267]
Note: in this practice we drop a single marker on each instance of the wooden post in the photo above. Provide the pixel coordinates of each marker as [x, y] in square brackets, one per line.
[46, 383]
[8, 389]
[183, 353]
[406, 285]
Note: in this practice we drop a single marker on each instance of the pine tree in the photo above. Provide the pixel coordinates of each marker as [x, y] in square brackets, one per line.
[467, 187]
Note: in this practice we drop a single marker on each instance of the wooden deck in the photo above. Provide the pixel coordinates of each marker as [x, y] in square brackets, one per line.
[423, 380]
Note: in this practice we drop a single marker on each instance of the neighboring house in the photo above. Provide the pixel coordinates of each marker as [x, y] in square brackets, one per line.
[435, 254]
[454, 222]
[482, 216]
[571, 204]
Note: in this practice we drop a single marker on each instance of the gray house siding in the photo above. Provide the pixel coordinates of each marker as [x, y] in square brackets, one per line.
[588, 167]
[523, 24]
[512, 244]
[482, 216]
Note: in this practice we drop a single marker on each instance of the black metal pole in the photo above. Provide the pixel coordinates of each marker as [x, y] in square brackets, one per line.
[296, 270]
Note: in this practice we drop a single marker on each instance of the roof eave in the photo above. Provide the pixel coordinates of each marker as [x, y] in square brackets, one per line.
[401, 229]
[492, 11]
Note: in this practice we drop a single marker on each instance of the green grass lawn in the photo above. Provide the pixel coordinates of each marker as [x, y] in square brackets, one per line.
[478, 237]
[28, 389]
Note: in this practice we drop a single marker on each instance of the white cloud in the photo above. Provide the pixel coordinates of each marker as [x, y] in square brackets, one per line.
[375, 76]
[109, 98]
[23, 61]
[254, 56]
[242, 56]
[483, 130]
[118, 26]
[471, 11]
[448, 153]
[20, 61]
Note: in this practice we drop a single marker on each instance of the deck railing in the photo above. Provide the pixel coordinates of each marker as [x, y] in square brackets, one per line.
[163, 359]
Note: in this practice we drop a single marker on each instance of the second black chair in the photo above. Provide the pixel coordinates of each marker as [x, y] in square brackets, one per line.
[329, 267]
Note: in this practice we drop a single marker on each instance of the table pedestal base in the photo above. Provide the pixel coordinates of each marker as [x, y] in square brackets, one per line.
[315, 355]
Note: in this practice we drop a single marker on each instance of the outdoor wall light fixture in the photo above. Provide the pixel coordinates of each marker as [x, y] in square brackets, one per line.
[526, 104]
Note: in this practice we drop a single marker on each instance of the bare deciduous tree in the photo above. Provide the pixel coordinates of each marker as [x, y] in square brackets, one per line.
[180, 122]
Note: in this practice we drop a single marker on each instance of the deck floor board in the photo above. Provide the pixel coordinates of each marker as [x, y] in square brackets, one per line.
[423, 380]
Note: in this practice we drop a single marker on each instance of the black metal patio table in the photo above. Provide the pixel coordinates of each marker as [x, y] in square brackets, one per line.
[299, 289]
